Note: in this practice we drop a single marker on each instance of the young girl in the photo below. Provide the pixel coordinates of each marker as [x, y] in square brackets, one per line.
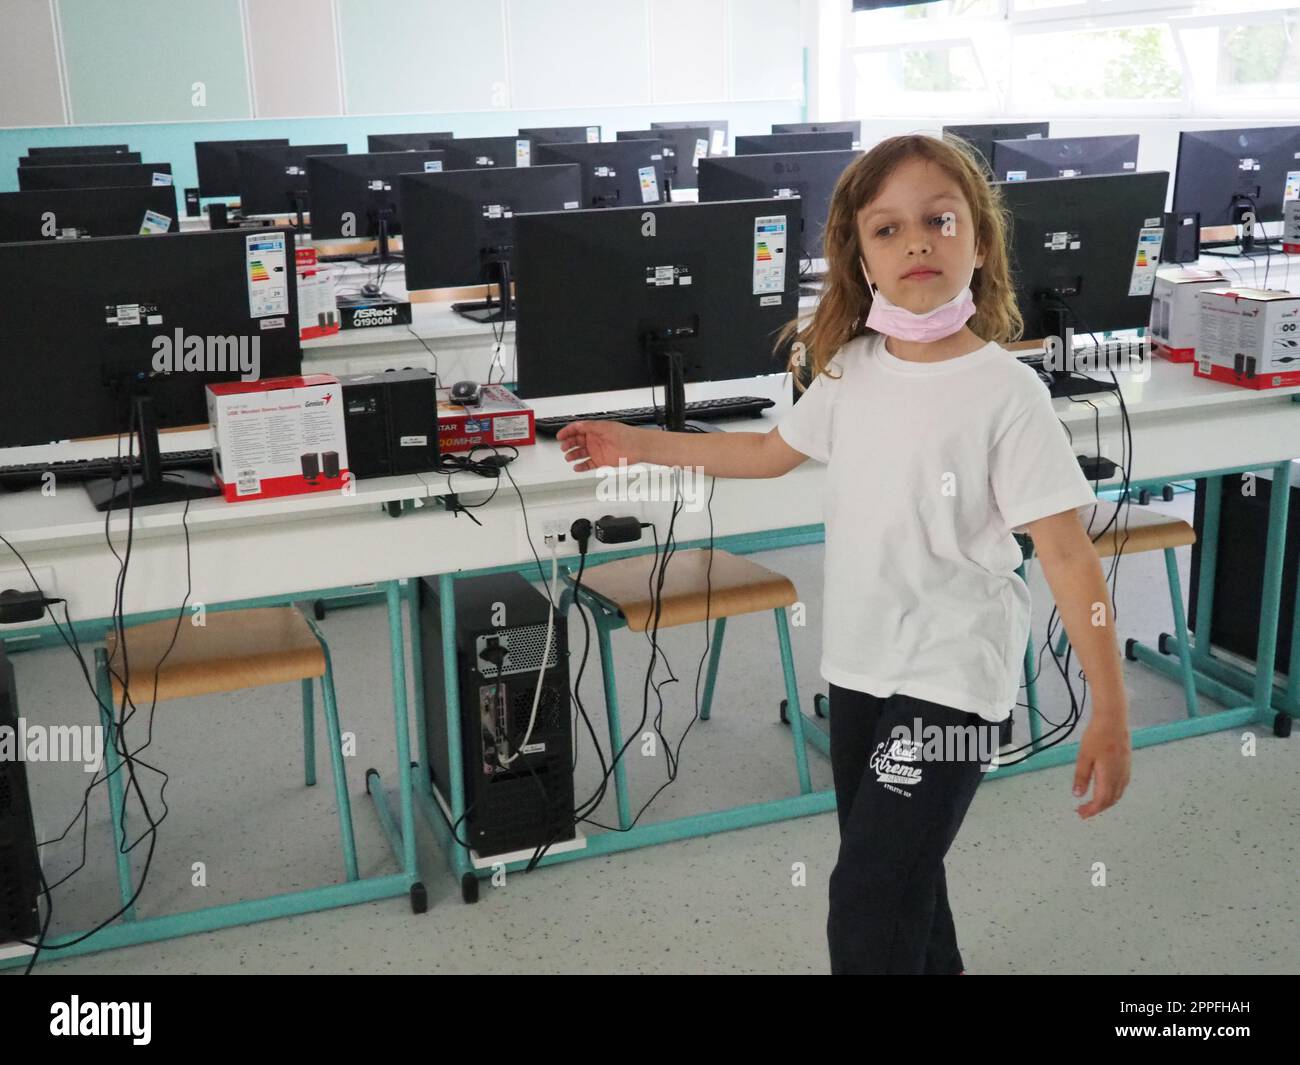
[939, 445]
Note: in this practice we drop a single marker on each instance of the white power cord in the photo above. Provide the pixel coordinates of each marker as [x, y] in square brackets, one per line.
[546, 654]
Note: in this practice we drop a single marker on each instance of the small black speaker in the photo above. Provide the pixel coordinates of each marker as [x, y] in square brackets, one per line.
[311, 466]
[1182, 241]
[217, 216]
[330, 463]
[191, 203]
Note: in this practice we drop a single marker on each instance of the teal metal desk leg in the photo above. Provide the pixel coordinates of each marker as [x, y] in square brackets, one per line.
[459, 855]
[1209, 557]
[113, 767]
[334, 732]
[792, 702]
[308, 732]
[715, 654]
[422, 780]
[1271, 594]
[603, 628]
[401, 715]
[1181, 634]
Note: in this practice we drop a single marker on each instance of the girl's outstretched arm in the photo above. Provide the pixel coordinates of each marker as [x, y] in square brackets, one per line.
[592, 444]
[1073, 572]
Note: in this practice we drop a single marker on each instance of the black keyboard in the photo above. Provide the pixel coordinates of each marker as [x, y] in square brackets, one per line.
[704, 410]
[31, 475]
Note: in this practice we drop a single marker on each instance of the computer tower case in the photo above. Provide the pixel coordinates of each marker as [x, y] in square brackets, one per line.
[19, 864]
[529, 800]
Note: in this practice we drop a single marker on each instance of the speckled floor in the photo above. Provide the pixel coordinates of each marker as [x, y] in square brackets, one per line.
[1199, 857]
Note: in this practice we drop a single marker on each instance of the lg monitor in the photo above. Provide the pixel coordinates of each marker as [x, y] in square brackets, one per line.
[1225, 173]
[405, 142]
[768, 143]
[1084, 250]
[273, 179]
[614, 173]
[682, 150]
[359, 195]
[561, 134]
[982, 135]
[218, 164]
[809, 175]
[76, 149]
[853, 127]
[480, 153]
[603, 308]
[94, 175]
[1052, 157]
[718, 129]
[124, 342]
[62, 214]
[68, 158]
[458, 226]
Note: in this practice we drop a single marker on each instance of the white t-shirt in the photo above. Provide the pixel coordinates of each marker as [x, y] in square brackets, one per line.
[930, 468]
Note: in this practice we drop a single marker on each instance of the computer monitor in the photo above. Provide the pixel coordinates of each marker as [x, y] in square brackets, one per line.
[116, 322]
[809, 175]
[94, 175]
[769, 143]
[273, 179]
[561, 134]
[69, 158]
[75, 149]
[471, 153]
[614, 173]
[62, 214]
[854, 127]
[359, 195]
[218, 164]
[603, 307]
[981, 135]
[1084, 250]
[405, 142]
[682, 150]
[718, 129]
[458, 226]
[1053, 157]
[1224, 173]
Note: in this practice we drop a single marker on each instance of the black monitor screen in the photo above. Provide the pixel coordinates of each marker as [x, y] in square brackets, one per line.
[600, 302]
[104, 318]
[62, 214]
[94, 175]
[1052, 157]
[809, 175]
[614, 173]
[1088, 246]
[1223, 171]
[458, 226]
[561, 134]
[68, 158]
[767, 143]
[218, 164]
[405, 142]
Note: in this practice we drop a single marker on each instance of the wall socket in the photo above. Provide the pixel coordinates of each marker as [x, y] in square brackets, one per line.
[558, 519]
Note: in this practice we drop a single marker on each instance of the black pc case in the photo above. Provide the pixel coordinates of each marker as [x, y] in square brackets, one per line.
[530, 801]
[19, 864]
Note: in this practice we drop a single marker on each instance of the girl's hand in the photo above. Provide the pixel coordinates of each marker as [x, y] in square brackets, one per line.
[599, 443]
[1104, 759]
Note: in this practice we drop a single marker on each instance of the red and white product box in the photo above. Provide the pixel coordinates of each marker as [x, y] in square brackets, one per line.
[500, 417]
[318, 316]
[1291, 227]
[279, 437]
[1175, 314]
[1249, 337]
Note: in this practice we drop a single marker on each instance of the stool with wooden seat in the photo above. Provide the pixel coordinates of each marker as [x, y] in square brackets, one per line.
[695, 588]
[232, 650]
[1130, 530]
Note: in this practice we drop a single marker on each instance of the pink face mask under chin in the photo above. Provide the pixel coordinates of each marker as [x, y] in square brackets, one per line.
[894, 321]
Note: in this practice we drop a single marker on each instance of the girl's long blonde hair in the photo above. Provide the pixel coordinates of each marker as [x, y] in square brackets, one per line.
[841, 312]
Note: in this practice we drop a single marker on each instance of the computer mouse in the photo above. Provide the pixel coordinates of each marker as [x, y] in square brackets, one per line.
[466, 393]
[371, 291]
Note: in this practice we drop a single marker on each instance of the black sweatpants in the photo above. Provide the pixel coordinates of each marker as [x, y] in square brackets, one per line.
[899, 813]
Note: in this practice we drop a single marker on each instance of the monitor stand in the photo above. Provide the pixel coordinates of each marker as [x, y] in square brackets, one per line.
[675, 420]
[491, 311]
[150, 486]
[383, 256]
